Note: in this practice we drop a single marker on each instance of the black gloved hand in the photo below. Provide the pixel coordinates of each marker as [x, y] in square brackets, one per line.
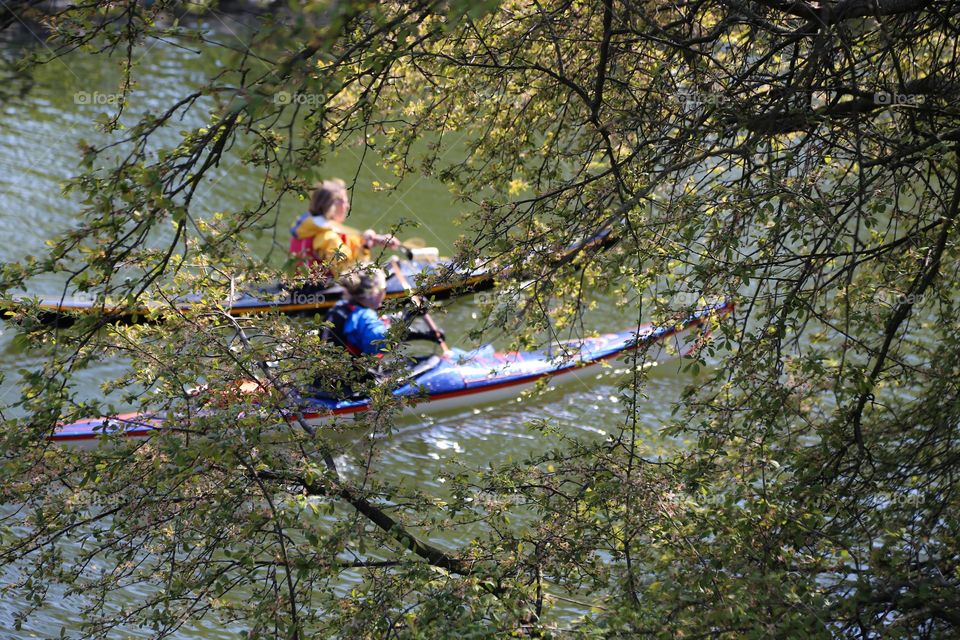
[415, 309]
[428, 335]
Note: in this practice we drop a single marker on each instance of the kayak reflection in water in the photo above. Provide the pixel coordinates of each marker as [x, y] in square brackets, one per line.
[355, 325]
[322, 244]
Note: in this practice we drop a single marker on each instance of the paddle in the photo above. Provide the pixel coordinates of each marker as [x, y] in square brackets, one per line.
[402, 279]
[409, 243]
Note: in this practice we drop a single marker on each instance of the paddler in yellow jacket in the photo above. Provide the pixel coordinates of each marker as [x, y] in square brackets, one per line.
[321, 242]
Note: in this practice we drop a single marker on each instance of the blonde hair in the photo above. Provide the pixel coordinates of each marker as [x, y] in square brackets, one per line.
[325, 194]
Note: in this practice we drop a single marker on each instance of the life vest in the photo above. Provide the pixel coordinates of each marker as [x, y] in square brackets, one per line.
[338, 317]
[302, 248]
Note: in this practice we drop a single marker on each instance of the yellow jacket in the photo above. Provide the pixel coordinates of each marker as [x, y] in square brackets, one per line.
[333, 246]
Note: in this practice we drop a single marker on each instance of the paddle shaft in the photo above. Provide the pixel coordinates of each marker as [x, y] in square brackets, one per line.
[409, 243]
[397, 271]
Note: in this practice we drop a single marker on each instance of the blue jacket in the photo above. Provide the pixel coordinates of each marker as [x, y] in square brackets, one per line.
[359, 328]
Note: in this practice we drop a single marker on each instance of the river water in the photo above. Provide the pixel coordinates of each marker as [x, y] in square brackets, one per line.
[38, 152]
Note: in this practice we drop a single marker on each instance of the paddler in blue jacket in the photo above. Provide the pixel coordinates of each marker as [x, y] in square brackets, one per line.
[355, 323]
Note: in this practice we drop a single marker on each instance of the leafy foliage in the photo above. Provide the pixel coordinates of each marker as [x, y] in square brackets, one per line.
[799, 156]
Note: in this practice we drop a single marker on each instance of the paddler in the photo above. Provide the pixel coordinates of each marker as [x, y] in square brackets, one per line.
[356, 325]
[320, 241]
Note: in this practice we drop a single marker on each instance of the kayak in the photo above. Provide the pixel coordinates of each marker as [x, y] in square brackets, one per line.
[448, 280]
[462, 378]
[64, 311]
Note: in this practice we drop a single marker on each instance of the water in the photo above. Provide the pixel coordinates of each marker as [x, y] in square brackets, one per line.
[38, 152]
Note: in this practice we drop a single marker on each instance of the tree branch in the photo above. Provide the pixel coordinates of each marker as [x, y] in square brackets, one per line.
[930, 269]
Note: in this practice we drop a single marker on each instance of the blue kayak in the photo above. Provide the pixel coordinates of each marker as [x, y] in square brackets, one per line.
[465, 378]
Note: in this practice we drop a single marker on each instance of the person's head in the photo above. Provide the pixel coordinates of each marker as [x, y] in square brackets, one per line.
[329, 199]
[367, 287]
